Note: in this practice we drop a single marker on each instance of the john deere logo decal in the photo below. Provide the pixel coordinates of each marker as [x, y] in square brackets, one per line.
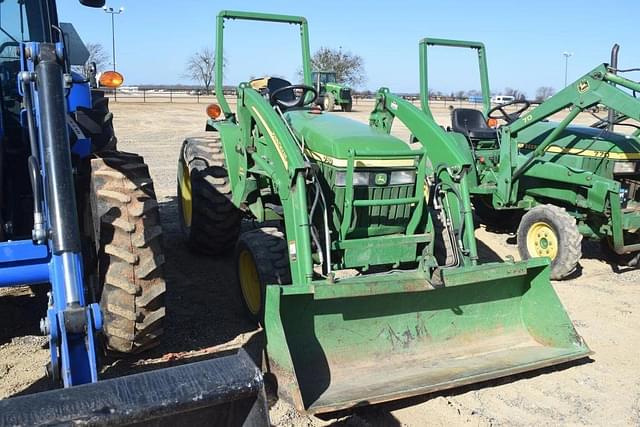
[583, 86]
[381, 179]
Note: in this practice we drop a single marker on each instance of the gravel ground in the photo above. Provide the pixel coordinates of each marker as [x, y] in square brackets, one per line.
[205, 314]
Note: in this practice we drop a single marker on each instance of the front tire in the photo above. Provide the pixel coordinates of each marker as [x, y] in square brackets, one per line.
[261, 259]
[210, 222]
[127, 237]
[548, 230]
[328, 102]
[347, 107]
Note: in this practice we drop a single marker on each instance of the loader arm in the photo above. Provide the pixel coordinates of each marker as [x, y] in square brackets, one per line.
[595, 87]
[450, 163]
[266, 147]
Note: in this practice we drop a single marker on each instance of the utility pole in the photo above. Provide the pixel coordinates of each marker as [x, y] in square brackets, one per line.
[566, 65]
[113, 13]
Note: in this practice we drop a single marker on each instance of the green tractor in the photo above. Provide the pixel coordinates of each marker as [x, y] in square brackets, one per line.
[330, 92]
[556, 182]
[362, 263]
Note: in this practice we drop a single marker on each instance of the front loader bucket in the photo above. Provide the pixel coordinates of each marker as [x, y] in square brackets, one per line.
[226, 391]
[376, 338]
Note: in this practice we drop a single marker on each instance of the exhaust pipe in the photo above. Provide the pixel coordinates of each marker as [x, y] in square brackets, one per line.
[611, 115]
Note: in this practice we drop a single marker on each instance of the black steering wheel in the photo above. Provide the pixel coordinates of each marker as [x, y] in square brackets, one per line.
[509, 117]
[299, 101]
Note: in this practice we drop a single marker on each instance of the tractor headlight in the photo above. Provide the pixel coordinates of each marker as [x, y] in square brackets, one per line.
[625, 168]
[359, 178]
[402, 177]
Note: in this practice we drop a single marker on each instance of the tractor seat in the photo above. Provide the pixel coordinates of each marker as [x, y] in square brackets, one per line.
[472, 124]
[267, 85]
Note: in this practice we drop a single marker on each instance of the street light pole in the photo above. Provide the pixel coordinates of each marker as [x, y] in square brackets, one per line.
[566, 65]
[113, 13]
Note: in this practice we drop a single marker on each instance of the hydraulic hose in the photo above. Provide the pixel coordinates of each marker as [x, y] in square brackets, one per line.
[36, 185]
[39, 233]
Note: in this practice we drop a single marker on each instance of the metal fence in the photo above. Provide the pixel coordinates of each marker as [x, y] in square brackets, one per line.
[190, 96]
[160, 96]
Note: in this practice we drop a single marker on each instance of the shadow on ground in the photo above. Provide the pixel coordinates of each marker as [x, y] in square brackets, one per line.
[20, 313]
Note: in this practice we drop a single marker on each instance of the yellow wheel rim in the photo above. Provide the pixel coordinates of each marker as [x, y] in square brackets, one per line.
[249, 281]
[542, 240]
[186, 199]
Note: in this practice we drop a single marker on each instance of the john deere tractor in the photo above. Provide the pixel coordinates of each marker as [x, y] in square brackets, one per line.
[362, 264]
[556, 182]
[330, 92]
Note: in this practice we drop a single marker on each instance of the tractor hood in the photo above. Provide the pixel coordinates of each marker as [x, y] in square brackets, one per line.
[332, 136]
[337, 86]
[582, 141]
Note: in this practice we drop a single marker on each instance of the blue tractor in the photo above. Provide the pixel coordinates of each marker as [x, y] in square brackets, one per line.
[78, 218]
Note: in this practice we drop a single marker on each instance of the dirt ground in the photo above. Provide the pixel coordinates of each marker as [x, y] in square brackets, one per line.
[204, 312]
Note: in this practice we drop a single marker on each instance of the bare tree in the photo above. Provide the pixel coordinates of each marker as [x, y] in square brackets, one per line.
[544, 92]
[99, 55]
[349, 67]
[515, 93]
[201, 67]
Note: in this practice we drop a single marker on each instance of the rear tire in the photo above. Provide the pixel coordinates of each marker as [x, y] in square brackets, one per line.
[548, 230]
[210, 221]
[328, 102]
[128, 281]
[97, 123]
[261, 258]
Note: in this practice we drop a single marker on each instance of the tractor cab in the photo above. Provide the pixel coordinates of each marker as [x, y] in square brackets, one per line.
[321, 78]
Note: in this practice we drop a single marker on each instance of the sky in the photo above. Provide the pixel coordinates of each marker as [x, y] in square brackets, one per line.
[525, 40]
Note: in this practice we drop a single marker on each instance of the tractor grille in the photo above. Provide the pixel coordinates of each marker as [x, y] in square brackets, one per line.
[378, 220]
[345, 93]
[369, 221]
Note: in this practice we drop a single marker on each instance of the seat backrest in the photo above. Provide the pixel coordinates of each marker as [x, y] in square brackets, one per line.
[464, 120]
[268, 85]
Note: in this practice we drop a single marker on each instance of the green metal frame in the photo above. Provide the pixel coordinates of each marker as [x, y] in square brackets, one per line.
[264, 17]
[599, 86]
[424, 70]
[449, 165]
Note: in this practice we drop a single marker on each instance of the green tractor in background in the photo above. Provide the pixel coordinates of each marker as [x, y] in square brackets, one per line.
[330, 92]
[556, 182]
[362, 263]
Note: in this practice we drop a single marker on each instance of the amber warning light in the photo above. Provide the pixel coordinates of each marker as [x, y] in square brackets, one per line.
[111, 79]
[213, 111]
